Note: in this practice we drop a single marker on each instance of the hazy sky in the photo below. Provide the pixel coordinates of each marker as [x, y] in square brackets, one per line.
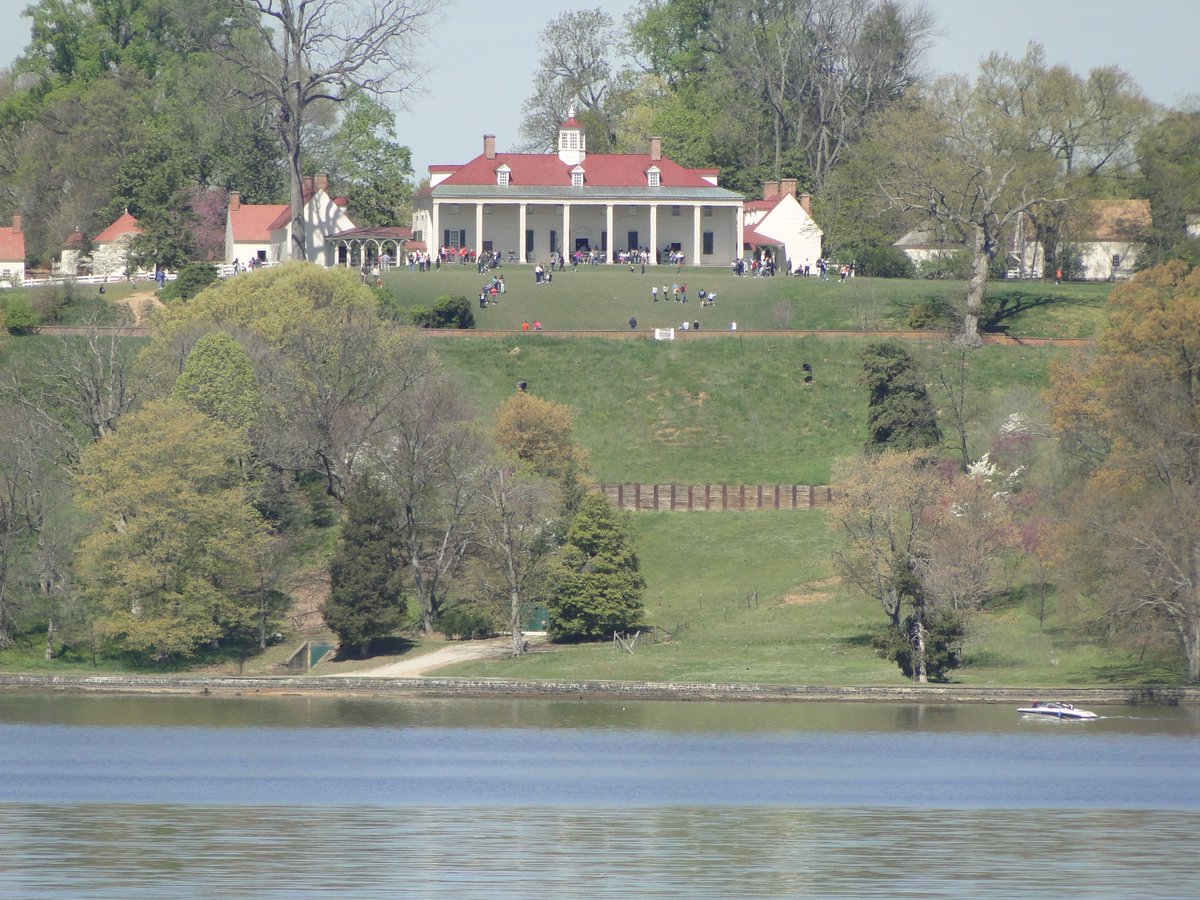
[482, 56]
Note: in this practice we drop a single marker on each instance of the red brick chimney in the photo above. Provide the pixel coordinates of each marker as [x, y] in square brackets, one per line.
[320, 182]
[770, 190]
[16, 226]
[787, 187]
[235, 201]
[489, 146]
[655, 149]
[806, 203]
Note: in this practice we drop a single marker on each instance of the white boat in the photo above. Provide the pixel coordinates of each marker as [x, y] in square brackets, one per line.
[1053, 709]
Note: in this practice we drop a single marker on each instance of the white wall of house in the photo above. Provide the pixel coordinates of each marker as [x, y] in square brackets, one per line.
[322, 217]
[1108, 260]
[12, 271]
[111, 259]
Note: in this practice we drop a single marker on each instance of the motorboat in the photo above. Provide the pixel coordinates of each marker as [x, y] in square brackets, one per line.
[1053, 709]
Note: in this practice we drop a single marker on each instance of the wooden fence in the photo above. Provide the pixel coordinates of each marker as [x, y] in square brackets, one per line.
[716, 497]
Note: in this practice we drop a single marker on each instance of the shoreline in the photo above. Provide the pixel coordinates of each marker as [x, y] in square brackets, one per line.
[349, 686]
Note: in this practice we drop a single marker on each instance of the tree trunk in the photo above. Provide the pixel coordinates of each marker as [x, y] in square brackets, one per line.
[920, 670]
[518, 644]
[975, 287]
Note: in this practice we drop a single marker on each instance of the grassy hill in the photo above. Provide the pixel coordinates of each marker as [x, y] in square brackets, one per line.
[751, 596]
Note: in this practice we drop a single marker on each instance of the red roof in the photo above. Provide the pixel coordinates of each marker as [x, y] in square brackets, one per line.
[765, 205]
[251, 223]
[284, 217]
[124, 225]
[600, 170]
[12, 245]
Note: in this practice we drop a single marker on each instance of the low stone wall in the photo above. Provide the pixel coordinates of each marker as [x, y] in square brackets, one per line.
[584, 690]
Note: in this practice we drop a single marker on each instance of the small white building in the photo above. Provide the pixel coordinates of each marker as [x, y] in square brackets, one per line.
[12, 254]
[1108, 236]
[783, 226]
[110, 248]
[263, 231]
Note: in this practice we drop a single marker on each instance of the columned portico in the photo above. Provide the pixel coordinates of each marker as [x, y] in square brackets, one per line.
[696, 245]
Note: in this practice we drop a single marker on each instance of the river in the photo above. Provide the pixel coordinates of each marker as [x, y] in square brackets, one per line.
[154, 796]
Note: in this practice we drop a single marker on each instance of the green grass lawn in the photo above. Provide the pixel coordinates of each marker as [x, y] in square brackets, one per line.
[605, 297]
[734, 410]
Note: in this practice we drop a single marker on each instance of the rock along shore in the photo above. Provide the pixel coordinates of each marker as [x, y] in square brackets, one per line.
[589, 690]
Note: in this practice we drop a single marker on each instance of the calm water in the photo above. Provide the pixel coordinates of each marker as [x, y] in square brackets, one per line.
[189, 796]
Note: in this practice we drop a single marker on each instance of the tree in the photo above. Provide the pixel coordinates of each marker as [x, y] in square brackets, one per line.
[598, 584]
[169, 564]
[366, 598]
[880, 506]
[574, 70]
[377, 169]
[1129, 419]
[539, 433]
[305, 54]
[515, 536]
[900, 415]
[218, 380]
[329, 371]
[970, 161]
[1168, 155]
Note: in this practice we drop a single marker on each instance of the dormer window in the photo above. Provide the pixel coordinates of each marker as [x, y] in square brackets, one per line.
[577, 176]
[502, 174]
[653, 177]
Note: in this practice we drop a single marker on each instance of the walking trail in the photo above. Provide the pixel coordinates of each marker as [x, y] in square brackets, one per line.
[456, 652]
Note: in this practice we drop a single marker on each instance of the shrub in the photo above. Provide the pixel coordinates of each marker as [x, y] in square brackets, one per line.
[446, 312]
[467, 623]
[194, 278]
[886, 262]
[944, 632]
[18, 315]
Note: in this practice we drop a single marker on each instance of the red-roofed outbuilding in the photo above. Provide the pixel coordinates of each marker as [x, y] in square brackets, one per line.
[12, 253]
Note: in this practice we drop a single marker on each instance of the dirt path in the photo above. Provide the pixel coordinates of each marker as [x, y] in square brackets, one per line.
[140, 304]
[459, 651]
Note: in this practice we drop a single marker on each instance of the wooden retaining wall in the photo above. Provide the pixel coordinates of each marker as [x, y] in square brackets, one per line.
[716, 497]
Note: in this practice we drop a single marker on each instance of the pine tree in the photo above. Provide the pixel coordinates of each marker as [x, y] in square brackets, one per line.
[599, 585]
[900, 415]
[366, 599]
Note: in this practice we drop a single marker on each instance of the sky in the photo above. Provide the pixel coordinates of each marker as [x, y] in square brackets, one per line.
[481, 56]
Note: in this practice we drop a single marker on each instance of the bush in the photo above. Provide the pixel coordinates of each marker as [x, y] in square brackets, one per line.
[194, 278]
[886, 262]
[932, 313]
[947, 265]
[447, 312]
[51, 300]
[18, 315]
[467, 623]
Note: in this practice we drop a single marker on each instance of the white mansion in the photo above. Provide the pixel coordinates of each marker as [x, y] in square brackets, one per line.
[527, 206]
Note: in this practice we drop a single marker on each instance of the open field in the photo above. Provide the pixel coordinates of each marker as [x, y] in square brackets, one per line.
[605, 297]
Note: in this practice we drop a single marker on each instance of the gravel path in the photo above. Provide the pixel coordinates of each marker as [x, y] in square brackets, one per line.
[459, 651]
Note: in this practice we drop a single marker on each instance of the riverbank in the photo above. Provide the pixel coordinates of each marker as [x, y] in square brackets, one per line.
[592, 690]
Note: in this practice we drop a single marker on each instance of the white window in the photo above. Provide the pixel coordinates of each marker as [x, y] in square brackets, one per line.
[652, 178]
[502, 177]
[675, 210]
[577, 178]
[708, 212]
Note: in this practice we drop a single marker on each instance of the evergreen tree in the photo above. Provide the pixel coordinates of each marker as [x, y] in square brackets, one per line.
[365, 598]
[900, 415]
[599, 585]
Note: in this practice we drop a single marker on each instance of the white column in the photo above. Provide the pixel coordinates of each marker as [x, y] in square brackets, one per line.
[564, 243]
[478, 230]
[653, 234]
[738, 224]
[696, 211]
[434, 241]
[521, 233]
[608, 220]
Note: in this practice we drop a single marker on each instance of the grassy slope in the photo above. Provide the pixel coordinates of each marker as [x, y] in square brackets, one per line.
[734, 409]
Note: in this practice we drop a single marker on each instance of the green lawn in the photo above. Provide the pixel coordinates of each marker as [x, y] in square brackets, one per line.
[605, 297]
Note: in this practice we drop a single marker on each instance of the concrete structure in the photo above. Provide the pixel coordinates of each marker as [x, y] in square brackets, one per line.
[528, 206]
[12, 253]
[783, 225]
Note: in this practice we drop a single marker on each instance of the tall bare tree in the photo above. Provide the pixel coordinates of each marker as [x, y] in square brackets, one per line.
[301, 53]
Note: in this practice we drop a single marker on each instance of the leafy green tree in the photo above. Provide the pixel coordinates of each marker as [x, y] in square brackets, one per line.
[377, 169]
[366, 597]
[1129, 420]
[169, 565]
[218, 379]
[599, 585]
[1169, 161]
[900, 415]
[194, 278]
